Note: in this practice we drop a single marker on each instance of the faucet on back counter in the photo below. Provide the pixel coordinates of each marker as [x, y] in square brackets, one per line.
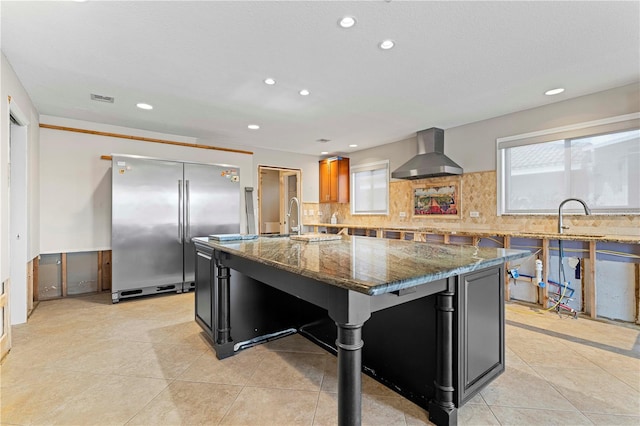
[561, 227]
[299, 226]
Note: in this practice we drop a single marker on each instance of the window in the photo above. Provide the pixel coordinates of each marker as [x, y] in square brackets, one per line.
[598, 162]
[370, 188]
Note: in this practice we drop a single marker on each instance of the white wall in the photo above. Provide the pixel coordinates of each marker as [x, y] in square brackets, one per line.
[76, 183]
[473, 146]
[10, 86]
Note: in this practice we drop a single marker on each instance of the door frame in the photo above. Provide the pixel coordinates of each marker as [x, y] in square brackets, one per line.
[282, 202]
[285, 226]
[13, 292]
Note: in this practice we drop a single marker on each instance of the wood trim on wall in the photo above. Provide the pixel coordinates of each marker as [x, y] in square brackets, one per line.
[5, 335]
[544, 291]
[140, 138]
[506, 243]
[592, 300]
[637, 278]
[99, 271]
[36, 278]
[29, 287]
[63, 258]
[105, 268]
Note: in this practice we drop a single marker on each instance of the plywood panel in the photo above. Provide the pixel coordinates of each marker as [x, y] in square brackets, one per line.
[106, 270]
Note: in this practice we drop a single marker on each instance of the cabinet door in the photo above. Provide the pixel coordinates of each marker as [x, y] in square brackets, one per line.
[333, 181]
[480, 307]
[324, 181]
[343, 180]
[204, 292]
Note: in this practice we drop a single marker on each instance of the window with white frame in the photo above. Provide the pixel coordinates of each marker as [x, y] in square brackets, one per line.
[598, 162]
[370, 188]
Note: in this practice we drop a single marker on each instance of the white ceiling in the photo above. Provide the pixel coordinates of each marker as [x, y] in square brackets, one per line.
[201, 64]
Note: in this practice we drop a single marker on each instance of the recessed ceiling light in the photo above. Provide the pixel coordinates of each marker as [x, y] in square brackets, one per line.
[144, 106]
[269, 81]
[304, 92]
[253, 126]
[324, 152]
[387, 44]
[347, 22]
[353, 145]
[554, 91]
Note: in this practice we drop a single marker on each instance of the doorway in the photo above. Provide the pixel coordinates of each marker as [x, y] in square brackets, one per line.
[276, 187]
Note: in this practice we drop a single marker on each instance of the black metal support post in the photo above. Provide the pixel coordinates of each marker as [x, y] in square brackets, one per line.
[223, 343]
[349, 345]
[223, 326]
[442, 410]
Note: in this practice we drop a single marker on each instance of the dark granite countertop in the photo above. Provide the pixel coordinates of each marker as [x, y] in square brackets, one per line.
[367, 265]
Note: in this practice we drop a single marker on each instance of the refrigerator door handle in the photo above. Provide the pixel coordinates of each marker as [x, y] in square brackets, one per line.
[188, 210]
[180, 240]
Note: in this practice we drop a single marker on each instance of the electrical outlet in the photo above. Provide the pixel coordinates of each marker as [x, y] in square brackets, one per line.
[306, 212]
[403, 214]
[310, 212]
[319, 212]
[474, 214]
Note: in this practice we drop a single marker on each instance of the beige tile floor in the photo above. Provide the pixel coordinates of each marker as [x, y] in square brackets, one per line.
[83, 361]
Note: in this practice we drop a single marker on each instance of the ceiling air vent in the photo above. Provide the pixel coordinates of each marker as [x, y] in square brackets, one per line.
[101, 98]
[323, 140]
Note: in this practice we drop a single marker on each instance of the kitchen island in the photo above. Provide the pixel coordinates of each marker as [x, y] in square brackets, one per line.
[434, 312]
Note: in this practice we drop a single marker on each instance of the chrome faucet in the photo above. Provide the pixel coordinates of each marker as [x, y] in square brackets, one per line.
[299, 227]
[587, 211]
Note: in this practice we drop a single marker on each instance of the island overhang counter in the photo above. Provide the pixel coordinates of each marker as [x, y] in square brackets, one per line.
[446, 301]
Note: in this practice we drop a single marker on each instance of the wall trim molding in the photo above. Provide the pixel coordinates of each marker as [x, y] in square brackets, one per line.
[141, 138]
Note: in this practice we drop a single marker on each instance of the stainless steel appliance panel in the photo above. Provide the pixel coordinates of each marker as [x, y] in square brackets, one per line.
[212, 206]
[146, 236]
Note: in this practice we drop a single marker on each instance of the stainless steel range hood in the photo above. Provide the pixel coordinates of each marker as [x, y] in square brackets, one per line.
[430, 161]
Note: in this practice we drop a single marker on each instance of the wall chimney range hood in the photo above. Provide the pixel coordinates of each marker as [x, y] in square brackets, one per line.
[430, 161]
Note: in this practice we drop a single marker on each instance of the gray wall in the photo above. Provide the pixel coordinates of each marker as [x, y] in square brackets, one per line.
[473, 145]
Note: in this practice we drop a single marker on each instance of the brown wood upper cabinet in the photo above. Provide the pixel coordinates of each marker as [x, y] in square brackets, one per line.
[334, 180]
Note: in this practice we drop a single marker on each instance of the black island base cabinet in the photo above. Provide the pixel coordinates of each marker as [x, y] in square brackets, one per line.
[245, 313]
[437, 344]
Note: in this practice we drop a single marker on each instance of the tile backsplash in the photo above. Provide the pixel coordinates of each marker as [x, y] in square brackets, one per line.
[478, 194]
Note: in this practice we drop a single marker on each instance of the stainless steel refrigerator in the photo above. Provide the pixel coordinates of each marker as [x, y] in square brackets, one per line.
[157, 207]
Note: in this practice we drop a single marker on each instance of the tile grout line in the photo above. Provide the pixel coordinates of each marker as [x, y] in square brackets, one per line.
[324, 372]
[148, 403]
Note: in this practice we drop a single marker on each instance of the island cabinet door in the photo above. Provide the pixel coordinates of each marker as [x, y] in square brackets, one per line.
[480, 331]
[204, 291]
